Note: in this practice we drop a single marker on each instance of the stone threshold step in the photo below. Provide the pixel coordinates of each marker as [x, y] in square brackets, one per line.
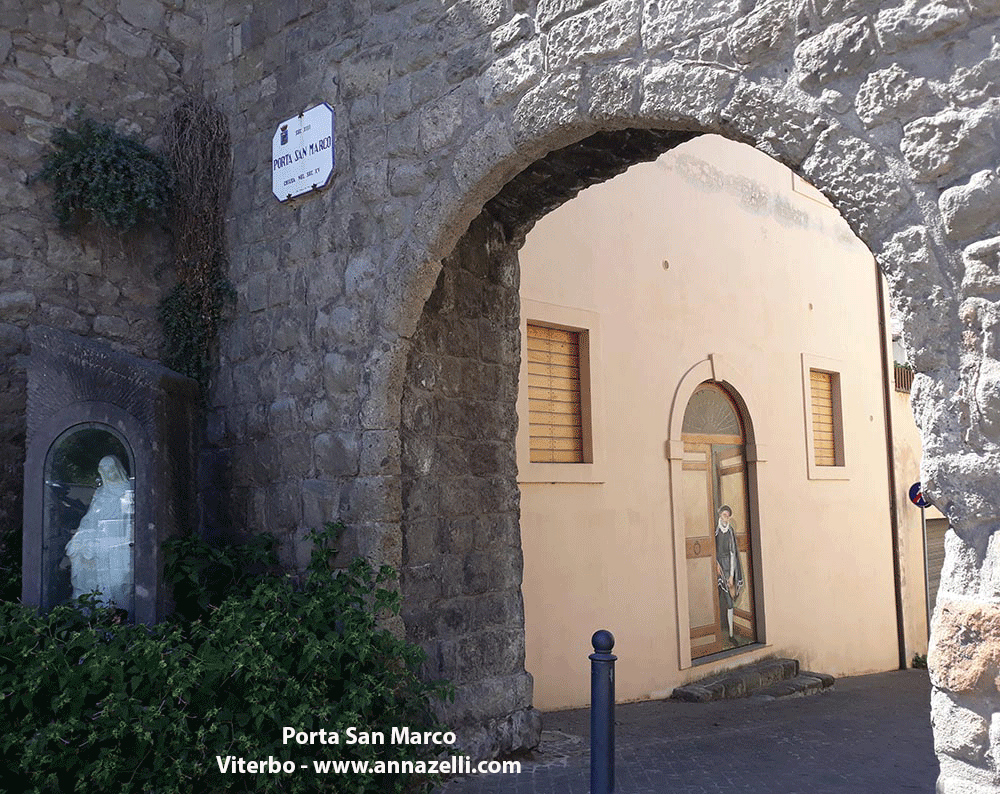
[805, 683]
[768, 679]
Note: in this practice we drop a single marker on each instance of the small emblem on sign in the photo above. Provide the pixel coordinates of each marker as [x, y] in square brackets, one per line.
[284, 134]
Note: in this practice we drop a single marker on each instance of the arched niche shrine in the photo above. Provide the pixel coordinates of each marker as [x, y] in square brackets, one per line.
[109, 474]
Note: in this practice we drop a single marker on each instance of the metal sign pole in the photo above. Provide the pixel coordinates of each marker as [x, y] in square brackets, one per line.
[927, 572]
[917, 497]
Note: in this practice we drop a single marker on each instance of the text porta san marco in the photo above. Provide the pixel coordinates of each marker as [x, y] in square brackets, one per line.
[300, 154]
[353, 735]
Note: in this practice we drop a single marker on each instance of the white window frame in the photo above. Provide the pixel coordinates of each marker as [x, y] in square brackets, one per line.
[835, 367]
[587, 325]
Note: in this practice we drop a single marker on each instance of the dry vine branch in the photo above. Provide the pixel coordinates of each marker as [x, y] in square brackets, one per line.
[198, 145]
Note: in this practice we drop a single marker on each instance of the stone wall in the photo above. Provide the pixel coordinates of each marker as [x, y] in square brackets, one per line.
[462, 564]
[891, 110]
[121, 63]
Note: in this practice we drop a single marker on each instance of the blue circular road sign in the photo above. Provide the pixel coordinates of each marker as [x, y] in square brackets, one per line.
[917, 497]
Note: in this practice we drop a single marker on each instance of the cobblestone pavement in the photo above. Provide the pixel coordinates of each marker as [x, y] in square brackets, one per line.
[867, 735]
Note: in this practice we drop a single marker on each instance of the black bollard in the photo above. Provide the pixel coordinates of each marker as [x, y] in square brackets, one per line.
[602, 713]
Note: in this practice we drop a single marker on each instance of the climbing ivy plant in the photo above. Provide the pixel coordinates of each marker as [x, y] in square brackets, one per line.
[95, 171]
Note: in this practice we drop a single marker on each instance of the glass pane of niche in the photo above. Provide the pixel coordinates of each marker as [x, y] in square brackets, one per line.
[89, 518]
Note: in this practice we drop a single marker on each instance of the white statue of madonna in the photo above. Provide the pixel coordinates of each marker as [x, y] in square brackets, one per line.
[100, 552]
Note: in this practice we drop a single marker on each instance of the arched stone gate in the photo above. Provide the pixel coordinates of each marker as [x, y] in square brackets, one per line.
[891, 113]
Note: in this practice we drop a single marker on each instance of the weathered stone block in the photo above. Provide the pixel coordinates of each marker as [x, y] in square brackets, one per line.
[965, 647]
[294, 455]
[612, 91]
[986, 8]
[517, 29]
[786, 125]
[371, 499]
[112, 327]
[422, 542]
[610, 28]
[421, 498]
[958, 731]
[129, 42]
[380, 452]
[60, 317]
[479, 155]
[366, 73]
[893, 94]
[338, 327]
[282, 416]
[336, 454]
[31, 64]
[13, 94]
[184, 28]
[320, 501]
[441, 121]
[952, 143]
[917, 22]
[855, 177]
[69, 69]
[761, 32]
[911, 268]
[969, 210]
[842, 49]
[548, 108]
[982, 268]
[551, 11]
[17, 305]
[144, 14]
[676, 91]
[666, 24]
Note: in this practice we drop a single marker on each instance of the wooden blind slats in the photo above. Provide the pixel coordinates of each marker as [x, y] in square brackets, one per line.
[824, 429]
[554, 416]
[903, 377]
[555, 384]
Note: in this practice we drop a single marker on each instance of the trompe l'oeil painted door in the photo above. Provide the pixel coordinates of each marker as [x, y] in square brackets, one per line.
[716, 525]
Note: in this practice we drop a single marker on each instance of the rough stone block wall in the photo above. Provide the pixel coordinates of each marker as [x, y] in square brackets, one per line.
[285, 442]
[462, 565]
[120, 63]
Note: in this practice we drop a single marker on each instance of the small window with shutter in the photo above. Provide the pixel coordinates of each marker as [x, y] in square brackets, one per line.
[556, 411]
[824, 425]
[821, 381]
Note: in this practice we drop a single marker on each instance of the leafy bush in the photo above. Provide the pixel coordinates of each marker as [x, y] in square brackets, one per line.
[95, 170]
[89, 704]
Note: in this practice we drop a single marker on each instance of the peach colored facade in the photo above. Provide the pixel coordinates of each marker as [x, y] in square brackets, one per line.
[713, 263]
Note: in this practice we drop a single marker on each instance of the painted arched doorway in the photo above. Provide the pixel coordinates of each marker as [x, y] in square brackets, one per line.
[717, 524]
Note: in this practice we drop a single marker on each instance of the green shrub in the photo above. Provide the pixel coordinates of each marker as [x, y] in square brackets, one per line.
[94, 170]
[89, 704]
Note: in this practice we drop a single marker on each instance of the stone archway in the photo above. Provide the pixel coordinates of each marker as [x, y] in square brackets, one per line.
[858, 105]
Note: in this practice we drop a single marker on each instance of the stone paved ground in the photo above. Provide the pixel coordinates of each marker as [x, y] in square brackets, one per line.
[868, 735]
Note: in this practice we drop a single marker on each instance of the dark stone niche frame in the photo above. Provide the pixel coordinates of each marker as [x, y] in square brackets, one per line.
[78, 382]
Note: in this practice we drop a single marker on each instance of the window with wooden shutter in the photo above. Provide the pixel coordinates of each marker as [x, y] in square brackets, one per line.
[555, 417]
[824, 417]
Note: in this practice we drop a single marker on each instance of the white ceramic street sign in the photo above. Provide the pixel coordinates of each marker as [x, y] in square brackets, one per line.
[302, 153]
